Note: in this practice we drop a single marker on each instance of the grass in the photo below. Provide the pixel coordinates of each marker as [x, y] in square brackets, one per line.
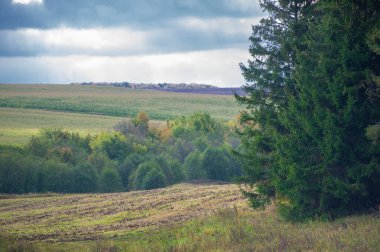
[113, 101]
[18, 125]
[180, 218]
[94, 216]
[25, 109]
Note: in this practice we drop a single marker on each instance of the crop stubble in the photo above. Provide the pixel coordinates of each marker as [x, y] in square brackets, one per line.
[95, 216]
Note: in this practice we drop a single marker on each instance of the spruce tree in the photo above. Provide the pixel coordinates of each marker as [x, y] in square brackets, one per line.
[325, 167]
[269, 75]
[312, 98]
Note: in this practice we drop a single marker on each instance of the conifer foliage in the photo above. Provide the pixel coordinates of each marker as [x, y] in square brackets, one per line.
[310, 101]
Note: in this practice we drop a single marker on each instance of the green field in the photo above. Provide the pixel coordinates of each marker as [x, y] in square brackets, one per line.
[18, 125]
[24, 109]
[184, 217]
[113, 101]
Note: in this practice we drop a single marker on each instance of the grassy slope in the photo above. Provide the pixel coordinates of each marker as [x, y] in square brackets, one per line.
[24, 109]
[172, 219]
[115, 101]
[18, 125]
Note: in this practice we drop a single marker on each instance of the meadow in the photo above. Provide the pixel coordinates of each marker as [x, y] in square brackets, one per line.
[184, 217]
[25, 109]
[115, 101]
[18, 125]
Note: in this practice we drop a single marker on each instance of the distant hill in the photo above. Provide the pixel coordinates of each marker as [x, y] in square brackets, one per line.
[214, 91]
[147, 85]
[170, 87]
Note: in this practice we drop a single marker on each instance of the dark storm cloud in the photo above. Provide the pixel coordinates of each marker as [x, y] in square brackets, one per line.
[189, 34]
[104, 13]
[13, 16]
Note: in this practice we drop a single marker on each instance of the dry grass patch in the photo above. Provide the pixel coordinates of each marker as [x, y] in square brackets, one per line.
[94, 216]
[183, 217]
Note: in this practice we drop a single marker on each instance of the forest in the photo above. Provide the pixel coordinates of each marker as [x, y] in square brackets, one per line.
[133, 156]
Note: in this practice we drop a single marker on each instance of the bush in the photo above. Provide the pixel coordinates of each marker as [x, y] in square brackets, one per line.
[99, 160]
[180, 149]
[60, 161]
[154, 179]
[125, 170]
[57, 144]
[138, 127]
[114, 145]
[201, 143]
[215, 164]
[55, 177]
[148, 175]
[110, 180]
[17, 173]
[84, 178]
[137, 177]
[193, 166]
[177, 170]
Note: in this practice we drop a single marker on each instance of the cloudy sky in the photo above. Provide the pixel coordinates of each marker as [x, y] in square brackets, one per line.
[63, 41]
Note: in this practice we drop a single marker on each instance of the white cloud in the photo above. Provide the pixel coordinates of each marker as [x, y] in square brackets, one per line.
[68, 41]
[227, 26]
[243, 5]
[218, 67]
[27, 1]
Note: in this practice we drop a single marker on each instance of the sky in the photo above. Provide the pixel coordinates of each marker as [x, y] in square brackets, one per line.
[149, 41]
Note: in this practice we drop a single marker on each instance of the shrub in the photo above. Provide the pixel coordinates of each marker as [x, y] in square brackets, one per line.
[177, 170]
[125, 170]
[55, 177]
[202, 122]
[154, 179]
[139, 126]
[145, 178]
[15, 173]
[110, 180]
[181, 148]
[99, 160]
[193, 166]
[84, 178]
[62, 145]
[114, 145]
[215, 164]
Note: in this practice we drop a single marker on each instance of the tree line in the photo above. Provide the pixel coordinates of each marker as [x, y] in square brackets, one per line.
[136, 155]
[311, 127]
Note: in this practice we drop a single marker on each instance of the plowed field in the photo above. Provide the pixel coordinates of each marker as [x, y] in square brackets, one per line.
[59, 217]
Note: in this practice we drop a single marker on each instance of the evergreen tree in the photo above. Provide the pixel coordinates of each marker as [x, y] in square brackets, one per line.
[324, 163]
[269, 75]
[312, 93]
